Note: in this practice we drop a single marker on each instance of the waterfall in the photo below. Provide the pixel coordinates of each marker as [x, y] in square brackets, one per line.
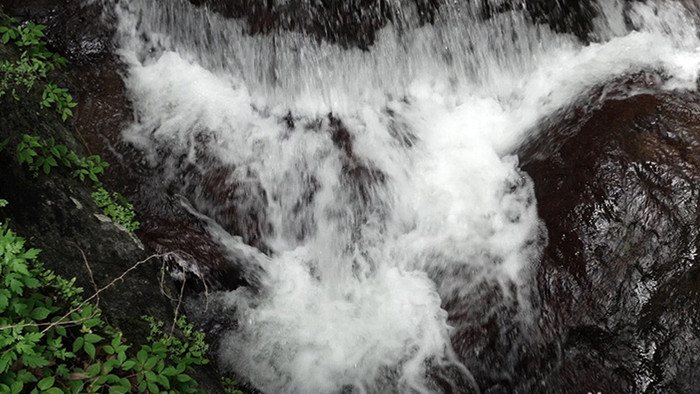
[385, 181]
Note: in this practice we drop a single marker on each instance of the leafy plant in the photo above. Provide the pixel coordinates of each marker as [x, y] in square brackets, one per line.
[44, 155]
[230, 386]
[116, 207]
[58, 97]
[90, 167]
[52, 341]
[35, 63]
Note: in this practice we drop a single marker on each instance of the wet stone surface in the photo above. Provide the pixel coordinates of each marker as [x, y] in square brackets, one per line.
[620, 195]
[355, 23]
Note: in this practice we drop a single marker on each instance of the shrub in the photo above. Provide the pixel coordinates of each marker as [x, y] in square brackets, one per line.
[53, 341]
[35, 63]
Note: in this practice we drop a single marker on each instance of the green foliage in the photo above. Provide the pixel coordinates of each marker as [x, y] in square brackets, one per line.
[117, 208]
[90, 167]
[35, 63]
[51, 341]
[59, 98]
[44, 155]
[230, 386]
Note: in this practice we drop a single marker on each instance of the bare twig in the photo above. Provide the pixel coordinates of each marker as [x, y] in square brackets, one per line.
[61, 321]
[177, 308]
[90, 275]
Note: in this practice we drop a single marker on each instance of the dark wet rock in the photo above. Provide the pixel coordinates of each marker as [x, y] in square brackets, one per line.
[348, 23]
[564, 16]
[103, 111]
[56, 214]
[355, 23]
[620, 195]
[74, 28]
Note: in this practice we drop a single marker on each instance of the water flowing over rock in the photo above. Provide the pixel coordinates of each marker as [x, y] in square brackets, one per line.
[355, 23]
[418, 196]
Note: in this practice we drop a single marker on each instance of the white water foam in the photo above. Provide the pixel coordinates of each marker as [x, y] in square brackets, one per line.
[361, 264]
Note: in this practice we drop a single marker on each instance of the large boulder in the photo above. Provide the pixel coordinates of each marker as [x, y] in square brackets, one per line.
[619, 191]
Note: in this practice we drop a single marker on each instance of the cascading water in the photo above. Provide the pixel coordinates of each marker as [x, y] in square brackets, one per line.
[386, 179]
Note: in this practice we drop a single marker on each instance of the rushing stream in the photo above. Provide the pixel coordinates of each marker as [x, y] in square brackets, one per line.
[380, 187]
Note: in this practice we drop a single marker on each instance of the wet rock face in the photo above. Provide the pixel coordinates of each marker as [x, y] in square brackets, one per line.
[354, 23]
[620, 195]
[74, 28]
[56, 214]
[563, 16]
[348, 23]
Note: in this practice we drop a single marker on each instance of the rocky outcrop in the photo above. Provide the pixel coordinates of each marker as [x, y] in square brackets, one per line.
[620, 195]
[56, 213]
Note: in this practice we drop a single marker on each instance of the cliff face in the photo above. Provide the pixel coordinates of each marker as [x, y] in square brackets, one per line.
[56, 213]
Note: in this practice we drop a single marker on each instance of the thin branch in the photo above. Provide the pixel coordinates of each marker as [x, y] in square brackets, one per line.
[90, 275]
[177, 308]
[86, 301]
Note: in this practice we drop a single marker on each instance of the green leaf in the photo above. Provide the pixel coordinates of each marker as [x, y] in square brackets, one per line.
[32, 283]
[163, 381]
[92, 338]
[90, 349]
[169, 371]
[16, 286]
[142, 356]
[128, 364]
[39, 313]
[78, 344]
[3, 304]
[33, 361]
[16, 387]
[31, 254]
[46, 383]
[94, 369]
[92, 323]
[183, 378]
[151, 362]
[60, 331]
[119, 389]
[108, 366]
